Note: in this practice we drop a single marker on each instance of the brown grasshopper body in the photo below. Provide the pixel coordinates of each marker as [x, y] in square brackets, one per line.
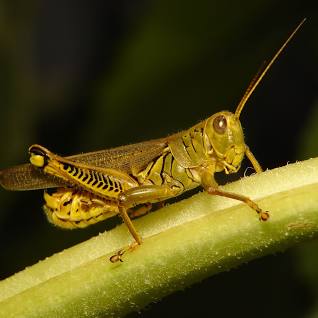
[95, 186]
[185, 161]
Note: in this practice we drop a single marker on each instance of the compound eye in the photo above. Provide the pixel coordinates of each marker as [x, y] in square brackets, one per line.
[220, 124]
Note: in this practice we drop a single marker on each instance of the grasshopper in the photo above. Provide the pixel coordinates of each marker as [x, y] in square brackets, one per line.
[94, 186]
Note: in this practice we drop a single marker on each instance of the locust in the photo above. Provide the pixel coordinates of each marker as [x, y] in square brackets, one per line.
[127, 180]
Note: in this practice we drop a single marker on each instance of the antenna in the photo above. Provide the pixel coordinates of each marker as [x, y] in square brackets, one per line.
[260, 74]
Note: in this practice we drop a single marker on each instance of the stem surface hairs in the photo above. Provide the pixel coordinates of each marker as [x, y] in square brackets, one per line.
[125, 181]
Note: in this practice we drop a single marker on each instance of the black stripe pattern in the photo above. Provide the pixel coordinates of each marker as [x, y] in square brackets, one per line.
[95, 180]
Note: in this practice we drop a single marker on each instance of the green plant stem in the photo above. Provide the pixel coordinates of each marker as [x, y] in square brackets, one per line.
[183, 243]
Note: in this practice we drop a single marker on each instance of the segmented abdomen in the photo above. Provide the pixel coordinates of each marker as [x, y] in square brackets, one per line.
[70, 209]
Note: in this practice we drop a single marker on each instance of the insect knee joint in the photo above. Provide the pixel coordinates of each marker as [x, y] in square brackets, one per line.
[122, 199]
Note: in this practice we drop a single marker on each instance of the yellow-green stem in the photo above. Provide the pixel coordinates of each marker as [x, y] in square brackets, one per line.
[183, 243]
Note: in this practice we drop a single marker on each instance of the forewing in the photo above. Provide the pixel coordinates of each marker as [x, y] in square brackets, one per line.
[27, 177]
[123, 158]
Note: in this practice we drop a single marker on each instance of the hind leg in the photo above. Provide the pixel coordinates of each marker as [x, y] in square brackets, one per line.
[136, 196]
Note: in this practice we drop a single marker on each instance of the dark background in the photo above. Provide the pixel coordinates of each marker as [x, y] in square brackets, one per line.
[83, 75]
